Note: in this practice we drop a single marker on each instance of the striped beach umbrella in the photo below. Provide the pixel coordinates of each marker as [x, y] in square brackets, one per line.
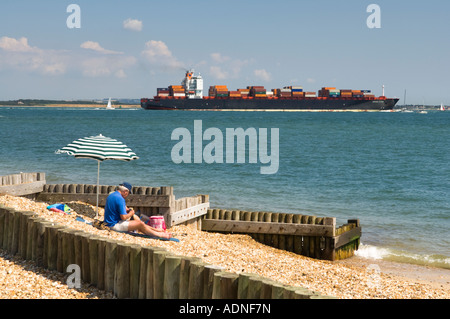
[100, 148]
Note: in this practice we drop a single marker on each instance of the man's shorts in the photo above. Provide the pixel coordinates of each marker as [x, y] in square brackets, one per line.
[121, 226]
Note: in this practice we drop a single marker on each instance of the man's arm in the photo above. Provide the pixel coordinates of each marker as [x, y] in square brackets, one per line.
[129, 213]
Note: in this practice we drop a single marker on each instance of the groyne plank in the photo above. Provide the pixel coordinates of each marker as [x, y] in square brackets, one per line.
[275, 228]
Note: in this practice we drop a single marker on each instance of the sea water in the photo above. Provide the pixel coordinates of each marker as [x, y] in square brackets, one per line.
[390, 170]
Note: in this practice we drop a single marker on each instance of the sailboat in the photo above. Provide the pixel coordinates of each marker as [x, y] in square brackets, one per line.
[109, 106]
[442, 108]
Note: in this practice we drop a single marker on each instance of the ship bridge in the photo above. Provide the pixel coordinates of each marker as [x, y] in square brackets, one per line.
[193, 85]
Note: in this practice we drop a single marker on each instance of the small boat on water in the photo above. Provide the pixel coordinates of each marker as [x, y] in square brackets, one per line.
[109, 106]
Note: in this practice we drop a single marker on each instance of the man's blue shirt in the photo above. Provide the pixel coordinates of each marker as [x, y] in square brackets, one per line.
[114, 207]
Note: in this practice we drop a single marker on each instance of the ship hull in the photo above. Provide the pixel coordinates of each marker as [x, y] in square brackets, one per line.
[227, 104]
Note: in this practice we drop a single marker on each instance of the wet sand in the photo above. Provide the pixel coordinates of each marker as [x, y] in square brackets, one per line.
[437, 277]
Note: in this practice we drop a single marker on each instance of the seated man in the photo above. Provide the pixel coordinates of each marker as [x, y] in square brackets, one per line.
[118, 217]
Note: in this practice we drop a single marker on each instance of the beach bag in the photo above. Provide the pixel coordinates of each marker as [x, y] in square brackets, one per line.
[157, 222]
[60, 208]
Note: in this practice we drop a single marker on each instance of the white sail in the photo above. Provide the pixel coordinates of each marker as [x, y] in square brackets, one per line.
[109, 106]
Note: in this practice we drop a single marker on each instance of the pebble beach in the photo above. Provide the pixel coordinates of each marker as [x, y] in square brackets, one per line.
[353, 278]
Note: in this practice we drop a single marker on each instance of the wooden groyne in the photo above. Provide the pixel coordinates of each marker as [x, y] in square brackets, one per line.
[311, 236]
[131, 270]
[146, 200]
[306, 235]
[22, 184]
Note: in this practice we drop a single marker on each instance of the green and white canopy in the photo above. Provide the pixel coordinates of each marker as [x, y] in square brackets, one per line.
[100, 148]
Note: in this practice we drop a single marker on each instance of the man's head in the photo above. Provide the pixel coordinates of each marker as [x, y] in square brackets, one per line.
[124, 189]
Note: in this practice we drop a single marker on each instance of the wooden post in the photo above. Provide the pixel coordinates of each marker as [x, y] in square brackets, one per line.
[159, 258]
[243, 285]
[196, 280]
[298, 242]
[278, 291]
[68, 244]
[52, 246]
[122, 271]
[59, 254]
[2, 224]
[15, 222]
[328, 253]
[101, 262]
[30, 237]
[135, 270]
[85, 257]
[110, 264]
[305, 239]
[208, 280]
[312, 220]
[172, 269]
[282, 238]
[78, 250]
[143, 273]
[6, 229]
[289, 238]
[23, 237]
[260, 236]
[275, 237]
[225, 285]
[149, 251]
[93, 259]
[184, 275]
[266, 288]
[39, 252]
[267, 237]
[254, 287]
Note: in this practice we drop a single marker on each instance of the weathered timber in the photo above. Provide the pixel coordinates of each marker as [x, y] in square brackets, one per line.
[267, 228]
[22, 184]
[346, 237]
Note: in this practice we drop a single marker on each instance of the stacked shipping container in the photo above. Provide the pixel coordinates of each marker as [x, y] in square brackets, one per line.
[218, 91]
[257, 91]
[178, 91]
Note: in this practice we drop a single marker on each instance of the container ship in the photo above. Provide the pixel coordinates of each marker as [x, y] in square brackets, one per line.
[189, 96]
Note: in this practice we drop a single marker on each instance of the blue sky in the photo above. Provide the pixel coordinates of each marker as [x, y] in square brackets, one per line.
[234, 43]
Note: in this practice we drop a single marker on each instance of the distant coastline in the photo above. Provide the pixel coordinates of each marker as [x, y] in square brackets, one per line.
[125, 103]
[123, 106]
[117, 103]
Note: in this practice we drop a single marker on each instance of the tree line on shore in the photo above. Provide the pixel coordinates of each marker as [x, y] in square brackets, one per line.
[38, 102]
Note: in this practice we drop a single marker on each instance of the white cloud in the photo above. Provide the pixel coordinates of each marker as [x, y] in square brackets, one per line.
[262, 74]
[219, 58]
[95, 46]
[17, 54]
[104, 66]
[132, 24]
[218, 73]
[157, 52]
[13, 45]
[223, 66]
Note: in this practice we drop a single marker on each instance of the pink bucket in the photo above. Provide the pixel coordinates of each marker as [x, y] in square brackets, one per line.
[157, 222]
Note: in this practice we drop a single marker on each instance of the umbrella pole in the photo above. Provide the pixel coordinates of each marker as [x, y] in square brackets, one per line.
[98, 179]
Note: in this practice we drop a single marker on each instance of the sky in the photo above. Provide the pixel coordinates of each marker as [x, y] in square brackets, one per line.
[127, 49]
